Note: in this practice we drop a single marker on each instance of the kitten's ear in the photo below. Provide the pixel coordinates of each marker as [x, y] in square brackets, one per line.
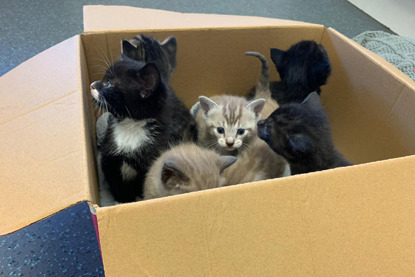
[171, 176]
[128, 49]
[207, 104]
[225, 162]
[195, 109]
[170, 45]
[276, 56]
[313, 101]
[149, 77]
[256, 106]
[132, 51]
[301, 144]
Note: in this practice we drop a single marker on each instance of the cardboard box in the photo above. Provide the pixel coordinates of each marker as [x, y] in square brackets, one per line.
[353, 221]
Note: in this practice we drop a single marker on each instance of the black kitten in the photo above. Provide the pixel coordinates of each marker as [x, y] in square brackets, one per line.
[303, 69]
[148, 49]
[300, 132]
[146, 118]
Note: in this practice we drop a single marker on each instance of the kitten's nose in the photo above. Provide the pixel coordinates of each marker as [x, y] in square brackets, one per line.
[260, 123]
[94, 85]
[229, 141]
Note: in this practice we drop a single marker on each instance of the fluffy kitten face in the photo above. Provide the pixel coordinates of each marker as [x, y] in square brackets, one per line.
[303, 67]
[296, 130]
[186, 168]
[148, 49]
[130, 89]
[230, 122]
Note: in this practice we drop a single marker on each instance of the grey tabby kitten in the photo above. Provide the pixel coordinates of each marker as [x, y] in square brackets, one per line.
[227, 124]
[149, 49]
[186, 168]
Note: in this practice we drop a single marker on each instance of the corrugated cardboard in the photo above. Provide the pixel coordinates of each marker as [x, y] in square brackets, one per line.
[343, 222]
[350, 221]
[43, 164]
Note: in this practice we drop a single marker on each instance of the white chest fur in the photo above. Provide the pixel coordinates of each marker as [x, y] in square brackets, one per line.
[130, 135]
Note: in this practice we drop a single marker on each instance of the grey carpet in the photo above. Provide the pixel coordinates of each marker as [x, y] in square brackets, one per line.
[29, 27]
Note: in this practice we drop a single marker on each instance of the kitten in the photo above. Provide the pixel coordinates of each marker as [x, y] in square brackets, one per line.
[227, 123]
[163, 54]
[186, 168]
[146, 118]
[262, 88]
[148, 49]
[303, 69]
[300, 132]
[106, 198]
[257, 162]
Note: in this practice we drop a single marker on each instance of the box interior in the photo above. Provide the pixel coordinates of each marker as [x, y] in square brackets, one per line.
[368, 108]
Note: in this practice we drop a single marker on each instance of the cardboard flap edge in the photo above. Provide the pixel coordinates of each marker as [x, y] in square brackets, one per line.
[134, 18]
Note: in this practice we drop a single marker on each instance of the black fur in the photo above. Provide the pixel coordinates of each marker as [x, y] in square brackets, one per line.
[300, 132]
[134, 90]
[303, 69]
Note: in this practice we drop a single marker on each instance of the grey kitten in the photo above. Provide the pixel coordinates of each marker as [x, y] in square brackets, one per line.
[186, 168]
[148, 49]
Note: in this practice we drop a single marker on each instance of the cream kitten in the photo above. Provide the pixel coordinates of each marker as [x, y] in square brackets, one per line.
[186, 168]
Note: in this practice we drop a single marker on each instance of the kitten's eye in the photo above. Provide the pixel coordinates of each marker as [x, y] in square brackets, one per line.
[220, 130]
[107, 84]
[241, 132]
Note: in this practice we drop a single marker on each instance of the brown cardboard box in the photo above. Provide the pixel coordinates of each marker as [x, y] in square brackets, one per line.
[353, 221]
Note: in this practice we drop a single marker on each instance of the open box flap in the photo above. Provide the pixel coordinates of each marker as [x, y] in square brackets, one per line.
[363, 100]
[110, 18]
[43, 165]
[353, 220]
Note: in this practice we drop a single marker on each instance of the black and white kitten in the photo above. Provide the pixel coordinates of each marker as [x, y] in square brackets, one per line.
[146, 118]
[303, 69]
[300, 132]
[148, 49]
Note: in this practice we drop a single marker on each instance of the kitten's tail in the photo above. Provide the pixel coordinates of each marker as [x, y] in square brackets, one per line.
[262, 87]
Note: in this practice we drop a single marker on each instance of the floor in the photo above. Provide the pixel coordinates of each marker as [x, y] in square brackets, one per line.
[398, 15]
[29, 27]
[64, 244]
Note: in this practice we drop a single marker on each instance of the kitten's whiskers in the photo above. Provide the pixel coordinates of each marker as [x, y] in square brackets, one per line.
[128, 111]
